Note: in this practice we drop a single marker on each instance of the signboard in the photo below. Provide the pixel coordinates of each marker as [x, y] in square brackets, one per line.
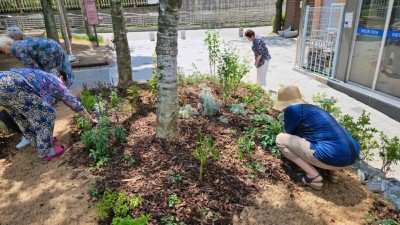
[91, 12]
[392, 34]
[152, 2]
[348, 19]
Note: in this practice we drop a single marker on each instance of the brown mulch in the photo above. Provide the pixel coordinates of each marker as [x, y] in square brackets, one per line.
[226, 187]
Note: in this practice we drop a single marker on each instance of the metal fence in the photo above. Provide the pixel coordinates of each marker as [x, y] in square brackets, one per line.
[320, 40]
[143, 20]
[11, 6]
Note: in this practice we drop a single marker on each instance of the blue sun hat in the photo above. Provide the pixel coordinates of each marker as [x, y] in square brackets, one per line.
[15, 33]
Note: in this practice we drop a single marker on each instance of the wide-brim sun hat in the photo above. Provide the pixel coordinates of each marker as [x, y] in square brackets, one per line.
[287, 96]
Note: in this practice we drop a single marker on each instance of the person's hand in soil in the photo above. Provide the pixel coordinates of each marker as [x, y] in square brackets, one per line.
[85, 113]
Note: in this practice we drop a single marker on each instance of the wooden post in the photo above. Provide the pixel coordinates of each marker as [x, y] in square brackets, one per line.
[20, 6]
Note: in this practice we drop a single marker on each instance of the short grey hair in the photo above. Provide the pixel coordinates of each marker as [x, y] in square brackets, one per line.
[13, 32]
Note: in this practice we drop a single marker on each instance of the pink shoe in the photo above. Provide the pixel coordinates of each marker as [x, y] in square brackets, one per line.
[54, 140]
[59, 150]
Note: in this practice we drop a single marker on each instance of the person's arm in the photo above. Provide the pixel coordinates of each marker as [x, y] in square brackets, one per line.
[258, 58]
[292, 118]
[30, 63]
[258, 45]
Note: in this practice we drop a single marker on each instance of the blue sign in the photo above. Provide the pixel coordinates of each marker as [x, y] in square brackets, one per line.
[378, 33]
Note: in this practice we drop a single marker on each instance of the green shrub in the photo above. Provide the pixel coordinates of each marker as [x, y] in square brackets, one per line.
[97, 140]
[119, 133]
[389, 151]
[142, 220]
[88, 101]
[362, 131]
[133, 95]
[173, 200]
[230, 71]
[223, 120]
[209, 105]
[237, 109]
[327, 104]
[105, 205]
[187, 111]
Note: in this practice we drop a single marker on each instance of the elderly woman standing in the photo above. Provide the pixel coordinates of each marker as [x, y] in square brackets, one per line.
[29, 96]
[40, 53]
[262, 57]
[313, 138]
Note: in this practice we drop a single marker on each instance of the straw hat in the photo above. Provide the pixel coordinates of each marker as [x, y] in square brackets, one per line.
[287, 96]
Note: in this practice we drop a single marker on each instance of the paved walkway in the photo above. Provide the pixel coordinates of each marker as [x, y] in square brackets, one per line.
[192, 51]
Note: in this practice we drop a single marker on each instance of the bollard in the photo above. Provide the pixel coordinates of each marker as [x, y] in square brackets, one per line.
[152, 37]
[240, 31]
[183, 35]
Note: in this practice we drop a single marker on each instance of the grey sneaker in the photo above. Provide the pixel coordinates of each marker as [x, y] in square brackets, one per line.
[23, 143]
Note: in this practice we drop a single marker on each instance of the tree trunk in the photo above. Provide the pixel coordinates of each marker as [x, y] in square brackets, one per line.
[167, 51]
[88, 28]
[121, 45]
[49, 21]
[278, 16]
[66, 20]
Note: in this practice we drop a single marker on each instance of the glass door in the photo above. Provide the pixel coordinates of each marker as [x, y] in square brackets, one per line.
[389, 74]
[368, 41]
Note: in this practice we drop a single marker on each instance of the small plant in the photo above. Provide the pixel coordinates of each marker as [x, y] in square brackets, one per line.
[83, 123]
[187, 111]
[212, 42]
[130, 160]
[88, 101]
[97, 140]
[173, 200]
[205, 150]
[142, 220]
[389, 151]
[257, 166]
[119, 203]
[153, 83]
[119, 133]
[327, 104]
[231, 71]
[247, 143]
[223, 120]
[374, 219]
[114, 101]
[362, 132]
[237, 109]
[209, 105]
[176, 177]
[94, 192]
[133, 95]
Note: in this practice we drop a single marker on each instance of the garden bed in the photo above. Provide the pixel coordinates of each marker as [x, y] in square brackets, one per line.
[165, 175]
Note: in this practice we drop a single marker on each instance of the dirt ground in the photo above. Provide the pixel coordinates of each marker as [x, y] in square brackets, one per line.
[37, 192]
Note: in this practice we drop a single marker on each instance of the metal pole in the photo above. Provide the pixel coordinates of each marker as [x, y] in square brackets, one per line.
[95, 33]
[337, 42]
[303, 39]
[64, 27]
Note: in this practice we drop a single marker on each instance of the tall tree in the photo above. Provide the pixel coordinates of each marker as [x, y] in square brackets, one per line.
[278, 16]
[49, 21]
[121, 45]
[167, 51]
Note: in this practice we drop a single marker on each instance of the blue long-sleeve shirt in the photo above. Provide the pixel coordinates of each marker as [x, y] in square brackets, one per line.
[333, 145]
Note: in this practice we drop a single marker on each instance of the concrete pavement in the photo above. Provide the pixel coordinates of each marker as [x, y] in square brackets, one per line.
[193, 57]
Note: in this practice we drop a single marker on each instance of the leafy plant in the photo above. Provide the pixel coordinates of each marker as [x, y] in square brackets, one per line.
[97, 139]
[230, 71]
[133, 95]
[212, 42]
[257, 166]
[130, 160]
[389, 151]
[119, 203]
[94, 192]
[83, 123]
[209, 105]
[119, 133]
[205, 150]
[114, 101]
[246, 143]
[237, 109]
[187, 111]
[327, 104]
[223, 120]
[142, 220]
[362, 132]
[176, 177]
[105, 205]
[374, 219]
[88, 101]
[173, 200]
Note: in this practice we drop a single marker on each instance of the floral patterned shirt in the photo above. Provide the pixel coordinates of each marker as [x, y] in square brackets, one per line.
[43, 54]
[259, 48]
[49, 87]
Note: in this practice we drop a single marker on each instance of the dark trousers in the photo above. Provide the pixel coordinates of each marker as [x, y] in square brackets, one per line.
[9, 121]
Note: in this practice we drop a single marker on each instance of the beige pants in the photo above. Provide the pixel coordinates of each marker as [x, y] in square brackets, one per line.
[262, 74]
[294, 147]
